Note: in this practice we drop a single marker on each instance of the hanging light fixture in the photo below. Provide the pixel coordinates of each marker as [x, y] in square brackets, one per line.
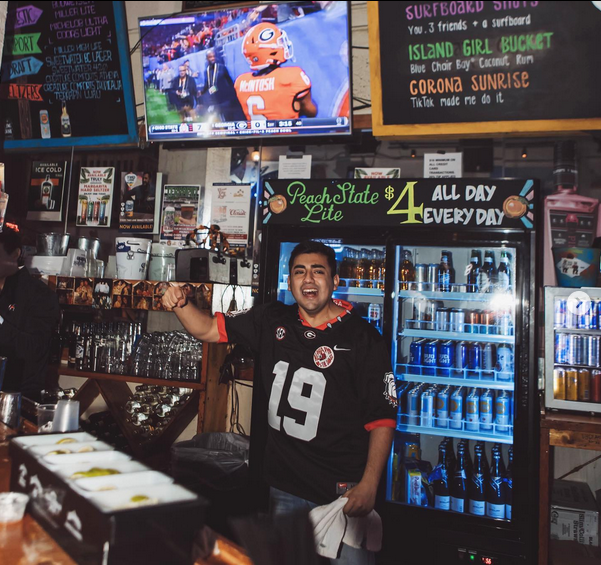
[413, 153]
[524, 153]
[256, 155]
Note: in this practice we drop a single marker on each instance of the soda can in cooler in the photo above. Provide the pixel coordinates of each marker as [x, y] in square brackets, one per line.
[446, 358]
[559, 383]
[416, 356]
[598, 314]
[472, 411]
[575, 349]
[430, 357]
[472, 321]
[596, 385]
[487, 322]
[486, 411]
[584, 385]
[572, 317]
[457, 320]
[585, 314]
[560, 313]
[502, 412]
[572, 384]
[442, 407]
[414, 405]
[421, 276]
[474, 360]
[432, 276]
[561, 348]
[504, 324]
[504, 365]
[595, 314]
[593, 353]
[443, 319]
[461, 360]
[489, 360]
[456, 409]
[433, 307]
[427, 408]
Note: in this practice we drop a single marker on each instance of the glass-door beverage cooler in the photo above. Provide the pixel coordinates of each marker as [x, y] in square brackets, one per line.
[446, 273]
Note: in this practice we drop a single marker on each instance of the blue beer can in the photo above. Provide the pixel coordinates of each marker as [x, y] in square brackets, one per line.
[430, 357]
[442, 407]
[456, 409]
[474, 361]
[575, 349]
[457, 320]
[461, 359]
[505, 362]
[561, 348]
[560, 312]
[487, 400]
[427, 408]
[416, 355]
[572, 317]
[472, 411]
[502, 412]
[446, 358]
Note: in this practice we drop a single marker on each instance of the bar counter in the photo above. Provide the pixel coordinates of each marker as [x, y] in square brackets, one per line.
[27, 543]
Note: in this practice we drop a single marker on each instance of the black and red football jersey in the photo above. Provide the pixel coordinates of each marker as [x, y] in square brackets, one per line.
[327, 388]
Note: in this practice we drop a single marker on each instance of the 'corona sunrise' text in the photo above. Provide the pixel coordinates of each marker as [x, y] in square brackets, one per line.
[492, 81]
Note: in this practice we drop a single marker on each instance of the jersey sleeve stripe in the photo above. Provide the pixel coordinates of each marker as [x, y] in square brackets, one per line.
[221, 327]
[380, 424]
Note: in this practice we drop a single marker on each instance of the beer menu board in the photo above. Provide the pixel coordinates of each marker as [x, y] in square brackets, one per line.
[66, 79]
[490, 67]
[432, 203]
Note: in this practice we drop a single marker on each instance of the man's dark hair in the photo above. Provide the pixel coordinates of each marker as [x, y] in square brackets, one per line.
[312, 246]
[11, 240]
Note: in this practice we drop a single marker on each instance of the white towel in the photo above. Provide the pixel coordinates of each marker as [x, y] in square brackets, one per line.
[331, 527]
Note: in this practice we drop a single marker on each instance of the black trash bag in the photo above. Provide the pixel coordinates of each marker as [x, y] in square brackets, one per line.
[218, 460]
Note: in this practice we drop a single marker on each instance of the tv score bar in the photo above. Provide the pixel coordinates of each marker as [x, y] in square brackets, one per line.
[194, 130]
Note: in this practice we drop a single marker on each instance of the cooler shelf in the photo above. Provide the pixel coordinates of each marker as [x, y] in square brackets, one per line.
[484, 383]
[463, 336]
[461, 296]
[463, 434]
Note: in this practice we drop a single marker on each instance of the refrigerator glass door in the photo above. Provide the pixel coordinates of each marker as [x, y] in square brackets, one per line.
[361, 273]
[453, 357]
[573, 349]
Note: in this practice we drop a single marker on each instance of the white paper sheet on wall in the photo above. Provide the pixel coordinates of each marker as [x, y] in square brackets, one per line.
[219, 161]
[292, 167]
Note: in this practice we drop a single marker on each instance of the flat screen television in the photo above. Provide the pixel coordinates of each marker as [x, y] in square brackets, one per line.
[269, 70]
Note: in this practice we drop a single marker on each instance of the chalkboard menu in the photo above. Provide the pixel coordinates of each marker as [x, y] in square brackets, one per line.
[456, 67]
[65, 78]
[432, 203]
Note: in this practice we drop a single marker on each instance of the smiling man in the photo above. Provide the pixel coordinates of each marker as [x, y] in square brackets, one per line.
[325, 371]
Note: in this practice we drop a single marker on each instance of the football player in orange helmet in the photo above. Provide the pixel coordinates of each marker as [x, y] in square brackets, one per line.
[271, 91]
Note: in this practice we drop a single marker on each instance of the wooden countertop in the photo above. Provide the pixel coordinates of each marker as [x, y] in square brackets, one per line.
[27, 543]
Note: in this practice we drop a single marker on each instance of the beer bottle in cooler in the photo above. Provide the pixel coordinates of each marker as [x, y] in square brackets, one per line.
[345, 269]
[495, 493]
[363, 269]
[460, 482]
[508, 484]
[442, 495]
[477, 486]
[473, 271]
[488, 273]
[406, 270]
[446, 274]
[504, 273]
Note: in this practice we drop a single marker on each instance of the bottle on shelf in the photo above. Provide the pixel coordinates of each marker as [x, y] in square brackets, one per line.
[406, 270]
[459, 482]
[504, 273]
[508, 484]
[363, 269]
[477, 486]
[495, 493]
[345, 270]
[46, 190]
[488, 273]
[473, 271]
[446, 273]
[442, 473]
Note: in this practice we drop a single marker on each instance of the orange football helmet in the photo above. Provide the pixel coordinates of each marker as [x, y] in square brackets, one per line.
[266, 44]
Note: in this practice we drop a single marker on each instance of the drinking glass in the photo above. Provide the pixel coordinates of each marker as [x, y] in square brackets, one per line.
[66, 416]
[45, 417]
